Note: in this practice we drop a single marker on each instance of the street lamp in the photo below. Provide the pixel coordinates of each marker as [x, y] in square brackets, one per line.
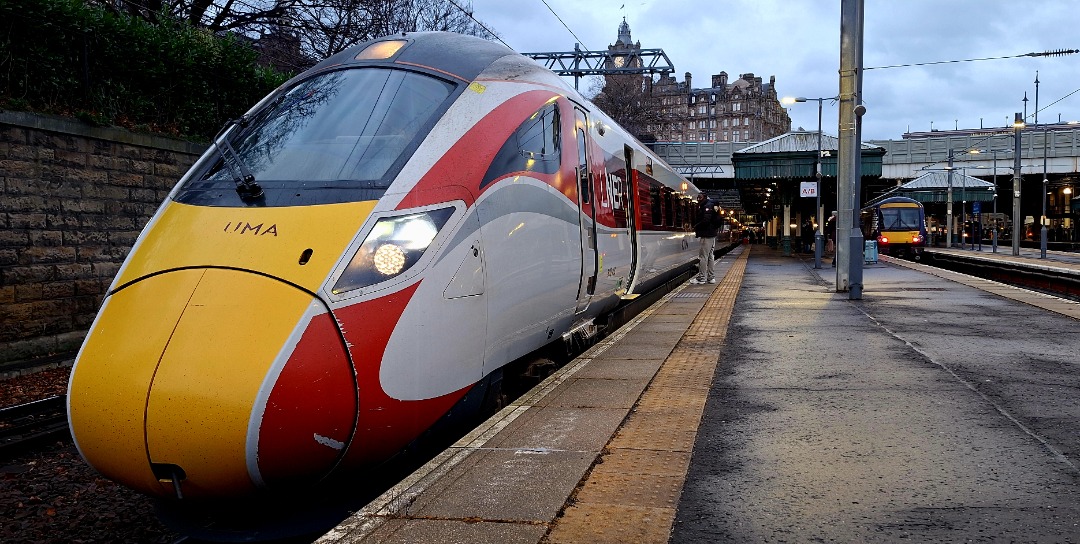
[819, 233]
[1018, 125]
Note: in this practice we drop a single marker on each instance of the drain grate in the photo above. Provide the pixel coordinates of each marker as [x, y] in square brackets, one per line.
[691, 294]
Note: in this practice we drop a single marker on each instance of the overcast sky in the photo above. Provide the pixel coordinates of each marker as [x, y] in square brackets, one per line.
[798, 41]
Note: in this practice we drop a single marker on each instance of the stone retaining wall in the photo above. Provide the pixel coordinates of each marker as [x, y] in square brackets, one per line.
[73, 199]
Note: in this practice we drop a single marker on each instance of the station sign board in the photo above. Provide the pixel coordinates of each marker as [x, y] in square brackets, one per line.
[808, 189]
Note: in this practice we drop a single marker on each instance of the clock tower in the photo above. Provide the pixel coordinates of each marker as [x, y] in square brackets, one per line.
[625, 53]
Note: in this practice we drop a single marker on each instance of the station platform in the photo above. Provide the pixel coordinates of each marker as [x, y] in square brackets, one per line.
[770, 407]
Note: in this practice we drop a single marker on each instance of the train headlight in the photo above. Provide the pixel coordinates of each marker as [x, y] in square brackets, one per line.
[389, 259]
[393, 246]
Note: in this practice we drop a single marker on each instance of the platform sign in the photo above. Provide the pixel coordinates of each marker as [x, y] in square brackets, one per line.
[975, 207]
[808, 189]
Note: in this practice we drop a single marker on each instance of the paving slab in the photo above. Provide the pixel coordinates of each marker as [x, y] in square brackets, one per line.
[508, 485]
[605, 367]
[560, 428]
[413, 531]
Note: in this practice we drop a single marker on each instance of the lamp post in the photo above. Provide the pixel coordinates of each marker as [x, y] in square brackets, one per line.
[1018, 125]
[819, 233]
[1042, 220]
[949, 204]
[994, 233]
[1070, 236]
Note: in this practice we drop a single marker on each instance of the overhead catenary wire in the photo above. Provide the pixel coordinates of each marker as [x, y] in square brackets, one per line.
[579, 40]
[1054, 53]
[481, 25]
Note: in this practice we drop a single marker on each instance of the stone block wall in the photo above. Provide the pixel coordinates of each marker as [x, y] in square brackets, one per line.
[73, 199]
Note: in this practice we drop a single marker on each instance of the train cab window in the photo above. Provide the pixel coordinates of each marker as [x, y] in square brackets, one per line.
[327, 137]
[533, 147]
[899, 219]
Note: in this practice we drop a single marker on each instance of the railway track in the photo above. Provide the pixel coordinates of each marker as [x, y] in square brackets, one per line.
[1047, 280]
[27, 426]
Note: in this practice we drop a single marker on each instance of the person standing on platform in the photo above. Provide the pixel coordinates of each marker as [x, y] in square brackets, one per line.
[830, 237]
[706, 228]
[807, 236]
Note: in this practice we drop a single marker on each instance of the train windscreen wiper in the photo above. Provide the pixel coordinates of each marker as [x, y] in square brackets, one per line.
[246, 186]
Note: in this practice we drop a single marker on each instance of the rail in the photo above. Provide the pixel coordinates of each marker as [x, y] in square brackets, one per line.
[1045, 279]
[27, 426]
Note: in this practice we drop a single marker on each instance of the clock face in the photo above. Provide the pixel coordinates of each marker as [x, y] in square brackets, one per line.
[620, 61]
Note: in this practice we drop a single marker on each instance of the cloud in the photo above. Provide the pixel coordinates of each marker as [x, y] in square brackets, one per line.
[798, 41]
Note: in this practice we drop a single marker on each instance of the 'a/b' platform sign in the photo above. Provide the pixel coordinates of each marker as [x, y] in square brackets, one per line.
[808, 189]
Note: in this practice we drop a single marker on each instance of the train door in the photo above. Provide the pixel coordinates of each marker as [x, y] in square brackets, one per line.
[628, 190]
[586, 213]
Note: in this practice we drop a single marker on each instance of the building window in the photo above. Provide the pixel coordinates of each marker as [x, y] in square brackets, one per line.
[736, 106]
[746, 135]
[735, 135]
[726, 124]
[725, 135]
[735, 122]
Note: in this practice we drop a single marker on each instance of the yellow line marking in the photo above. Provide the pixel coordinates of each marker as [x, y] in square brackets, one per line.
[632, 491]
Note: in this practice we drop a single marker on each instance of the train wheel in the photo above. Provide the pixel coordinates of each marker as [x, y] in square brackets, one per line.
[538, 369]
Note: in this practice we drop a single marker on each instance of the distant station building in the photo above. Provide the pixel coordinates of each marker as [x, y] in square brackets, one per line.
[744, 110]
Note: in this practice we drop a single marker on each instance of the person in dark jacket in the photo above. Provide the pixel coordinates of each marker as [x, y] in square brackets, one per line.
[706, 228]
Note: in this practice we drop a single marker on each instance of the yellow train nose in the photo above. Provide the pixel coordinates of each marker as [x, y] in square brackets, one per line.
[164, 388]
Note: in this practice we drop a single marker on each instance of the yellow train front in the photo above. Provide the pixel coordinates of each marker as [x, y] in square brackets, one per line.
[356, 260]
[899, 226]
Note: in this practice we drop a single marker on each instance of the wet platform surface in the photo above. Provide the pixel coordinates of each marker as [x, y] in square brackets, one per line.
[770, 407]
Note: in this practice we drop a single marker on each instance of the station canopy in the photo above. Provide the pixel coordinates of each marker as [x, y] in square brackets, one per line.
[791, 156]
[934, 187]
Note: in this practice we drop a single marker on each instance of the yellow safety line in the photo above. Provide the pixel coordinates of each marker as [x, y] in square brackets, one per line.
[632, 491]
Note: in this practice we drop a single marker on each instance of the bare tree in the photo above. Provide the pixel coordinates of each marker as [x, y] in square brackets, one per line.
[222, 15]
[630, 102]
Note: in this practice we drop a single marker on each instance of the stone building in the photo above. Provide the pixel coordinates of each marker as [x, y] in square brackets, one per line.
[744, 110]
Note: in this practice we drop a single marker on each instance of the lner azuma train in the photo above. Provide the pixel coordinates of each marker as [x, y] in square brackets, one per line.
[898, 224]
[359, 257]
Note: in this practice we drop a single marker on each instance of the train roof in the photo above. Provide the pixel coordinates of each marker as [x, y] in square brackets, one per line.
[897, 200]
[458, 55]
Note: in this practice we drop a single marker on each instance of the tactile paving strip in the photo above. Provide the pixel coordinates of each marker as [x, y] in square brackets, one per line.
[631, 494]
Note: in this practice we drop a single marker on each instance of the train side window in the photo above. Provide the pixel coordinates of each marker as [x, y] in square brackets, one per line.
[657, 206]
[583, 169]
[669, 207]
[533, 147]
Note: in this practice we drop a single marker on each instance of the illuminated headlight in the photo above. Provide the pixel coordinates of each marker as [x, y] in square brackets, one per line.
[393, 246]
[389, 259]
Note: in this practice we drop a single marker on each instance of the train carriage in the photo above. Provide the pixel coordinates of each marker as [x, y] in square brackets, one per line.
[357, 259]
[898, 224]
